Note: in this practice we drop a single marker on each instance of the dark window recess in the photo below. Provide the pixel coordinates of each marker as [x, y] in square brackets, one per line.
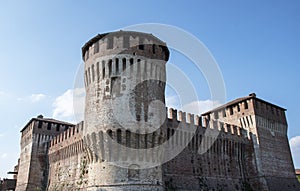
[138, 117]
[109, 132]
[153, 48]
[49, 126]
[110, 42]
[96, 47]
[103, 73]
[117, 66]
[124, 63]
[231, 110]
[109, 67]
[133, 173]
[131, 61]
[40, 125]
[131, 65]
[246, 104]
[93, 73]
[115, 86]
[128, 135]
[141, 46]
[238, 108]
[119, 136]
[98, 72]
[87, 55]
[57, 127]
[224, 112]
[86, 79]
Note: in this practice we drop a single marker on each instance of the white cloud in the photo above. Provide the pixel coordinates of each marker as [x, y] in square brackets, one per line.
[295, 149]
[295, 142]
[4, 94]
[200, 106]
[69, 103]
[3, 155]
[1, 135]
[173, 102]
[195, 107]
[37, 97]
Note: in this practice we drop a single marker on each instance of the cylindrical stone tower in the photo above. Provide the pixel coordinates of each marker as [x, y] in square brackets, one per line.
[125, 79]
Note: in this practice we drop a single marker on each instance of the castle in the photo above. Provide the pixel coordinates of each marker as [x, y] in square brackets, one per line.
[130, 141]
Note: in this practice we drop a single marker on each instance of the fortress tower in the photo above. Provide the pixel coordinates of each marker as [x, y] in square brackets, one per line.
[34, 165]
[125, 107]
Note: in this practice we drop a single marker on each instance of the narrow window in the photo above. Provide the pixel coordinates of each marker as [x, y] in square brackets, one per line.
[49, 126]
[98, 72]
[119, 136]
[86, 79]
[117, 65]
[87, 55]
[131, 61]
[109, 132]
[131, 65]
[224, 112]
[153, 48]
[246, 105]
[89, 74]
[96, 47]
[238, 108]
[103, 69]
[124, 64]
[231, 110]
[93, 73]
[40, 125]
[128, 138]
[57, 127]
[109, 67]
[116, 86]
[141, 46]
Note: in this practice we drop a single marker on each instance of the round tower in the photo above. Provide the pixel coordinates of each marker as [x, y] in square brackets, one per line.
[125, 79]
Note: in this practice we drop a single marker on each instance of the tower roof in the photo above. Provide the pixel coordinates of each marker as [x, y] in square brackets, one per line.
[40, 118]
[238, 100]
[124, 33]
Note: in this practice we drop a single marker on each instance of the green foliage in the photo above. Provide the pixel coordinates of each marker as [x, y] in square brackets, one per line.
[298, 176]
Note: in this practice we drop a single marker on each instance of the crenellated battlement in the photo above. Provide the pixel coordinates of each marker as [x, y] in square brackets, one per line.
[196, 120]
[125, 42]
[67, 137]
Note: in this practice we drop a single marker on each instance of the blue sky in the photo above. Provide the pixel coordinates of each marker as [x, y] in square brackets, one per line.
[255, 43]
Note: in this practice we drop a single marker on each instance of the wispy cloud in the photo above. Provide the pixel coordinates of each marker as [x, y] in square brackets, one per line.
[33, 98]
[3, 155]
[295, 149]
[70, 105]
[200, 106]
[195, 107]
[37, 97]
[173, 102]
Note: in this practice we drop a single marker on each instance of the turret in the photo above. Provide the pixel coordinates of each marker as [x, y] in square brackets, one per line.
[125, 76]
